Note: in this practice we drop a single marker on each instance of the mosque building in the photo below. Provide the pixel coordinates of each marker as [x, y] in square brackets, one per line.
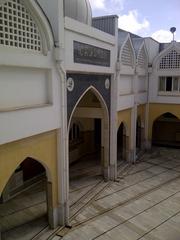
[73, 86]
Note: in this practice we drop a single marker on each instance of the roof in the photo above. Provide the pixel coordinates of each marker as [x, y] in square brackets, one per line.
[122, 35]
[137, 42]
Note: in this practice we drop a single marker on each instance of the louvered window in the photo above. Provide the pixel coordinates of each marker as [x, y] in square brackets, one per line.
[127, 56]
[170, 61]
[17, 28]
[142, 59]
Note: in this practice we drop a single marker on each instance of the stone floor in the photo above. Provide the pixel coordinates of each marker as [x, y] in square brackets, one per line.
[144, 202]
[24, 212]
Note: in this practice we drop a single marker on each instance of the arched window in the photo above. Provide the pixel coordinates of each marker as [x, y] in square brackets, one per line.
[17, 27]
[170, 61]
[142, 58]
[127, 55]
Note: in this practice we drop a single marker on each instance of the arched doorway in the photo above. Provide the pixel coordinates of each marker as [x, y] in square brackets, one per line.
[166, 131]
[26, 201]
[122, 143]
[89, 138]
[138, 135]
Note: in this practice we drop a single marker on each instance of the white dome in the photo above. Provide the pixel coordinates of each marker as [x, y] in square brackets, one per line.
[79, 10]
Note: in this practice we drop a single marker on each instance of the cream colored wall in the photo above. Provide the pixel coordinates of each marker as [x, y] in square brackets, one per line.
[141, 111]
[41, 147]
[86, 146]
[156, 110]
[125, 117]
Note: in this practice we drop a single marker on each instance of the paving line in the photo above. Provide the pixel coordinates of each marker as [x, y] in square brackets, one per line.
[58, 229]
[127, 220]
[22, 209]
[128, 201]
[125, 203]
[155, 175]
[84, 195]
[159, 225]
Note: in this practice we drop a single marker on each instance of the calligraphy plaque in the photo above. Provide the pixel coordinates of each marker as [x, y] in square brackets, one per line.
[89, 54]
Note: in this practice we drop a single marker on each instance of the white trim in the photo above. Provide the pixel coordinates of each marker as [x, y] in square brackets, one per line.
[97, 94]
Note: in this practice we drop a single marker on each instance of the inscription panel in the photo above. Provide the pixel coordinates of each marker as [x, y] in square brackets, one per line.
[89, 54]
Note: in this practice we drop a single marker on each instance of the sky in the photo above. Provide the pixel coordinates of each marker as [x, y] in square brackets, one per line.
[147, 18]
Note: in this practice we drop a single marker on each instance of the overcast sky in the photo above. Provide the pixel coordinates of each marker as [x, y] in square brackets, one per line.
[151, 18]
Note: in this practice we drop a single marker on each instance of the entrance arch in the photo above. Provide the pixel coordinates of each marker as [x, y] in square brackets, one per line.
[166, 130]
[122, 143]
[89, 130]
[27, 197]
[138, 134]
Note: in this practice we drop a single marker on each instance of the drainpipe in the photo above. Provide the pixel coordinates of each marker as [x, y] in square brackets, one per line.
[62, 136]
[134, 118]
[63, 169]
[113, 119]
[113, 110]
[148, 144]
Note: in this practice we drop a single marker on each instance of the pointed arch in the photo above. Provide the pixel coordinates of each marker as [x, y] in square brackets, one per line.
[165, 130]
[122, 142]
[30, 172]
[24, 26]
[100, 131]
[99, 97]
[142, 57]
[169, 58]
[166, 115]
[127, 54]
[138, 132]
[125, 127]
[48, 173]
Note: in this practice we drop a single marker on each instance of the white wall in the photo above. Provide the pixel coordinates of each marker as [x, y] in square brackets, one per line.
[125, 102]
[155, 96]
[125, 85]
[76, 31]
[22, 71]
[24, 87]
[152, 47]
[141, 84]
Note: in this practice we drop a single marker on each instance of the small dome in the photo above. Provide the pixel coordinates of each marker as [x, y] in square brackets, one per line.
[79, 10]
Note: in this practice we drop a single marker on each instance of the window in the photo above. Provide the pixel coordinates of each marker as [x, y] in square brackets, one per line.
[127, 55]
[17, 27]
[142, 59]
[170, 61]
[169, 84]
[162, 84]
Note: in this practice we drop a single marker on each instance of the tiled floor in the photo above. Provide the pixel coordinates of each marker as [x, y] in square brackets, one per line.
[24, 212]
[143, 204]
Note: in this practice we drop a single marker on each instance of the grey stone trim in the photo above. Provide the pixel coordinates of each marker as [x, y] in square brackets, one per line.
[81, 83]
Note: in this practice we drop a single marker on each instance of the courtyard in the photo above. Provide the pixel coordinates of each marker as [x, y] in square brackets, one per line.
[144, 202]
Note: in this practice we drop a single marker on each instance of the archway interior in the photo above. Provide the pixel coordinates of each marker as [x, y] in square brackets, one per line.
[121, 143]
[24, 200]
[138, 135]
[166, 131]
[86, 144]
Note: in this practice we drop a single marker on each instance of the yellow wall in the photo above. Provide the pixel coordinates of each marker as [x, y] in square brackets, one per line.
[156, 110]
[125, 117]
[41, 147]
[141, 111]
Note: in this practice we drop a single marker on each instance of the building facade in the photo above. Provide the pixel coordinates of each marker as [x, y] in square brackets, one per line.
[71, 86]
